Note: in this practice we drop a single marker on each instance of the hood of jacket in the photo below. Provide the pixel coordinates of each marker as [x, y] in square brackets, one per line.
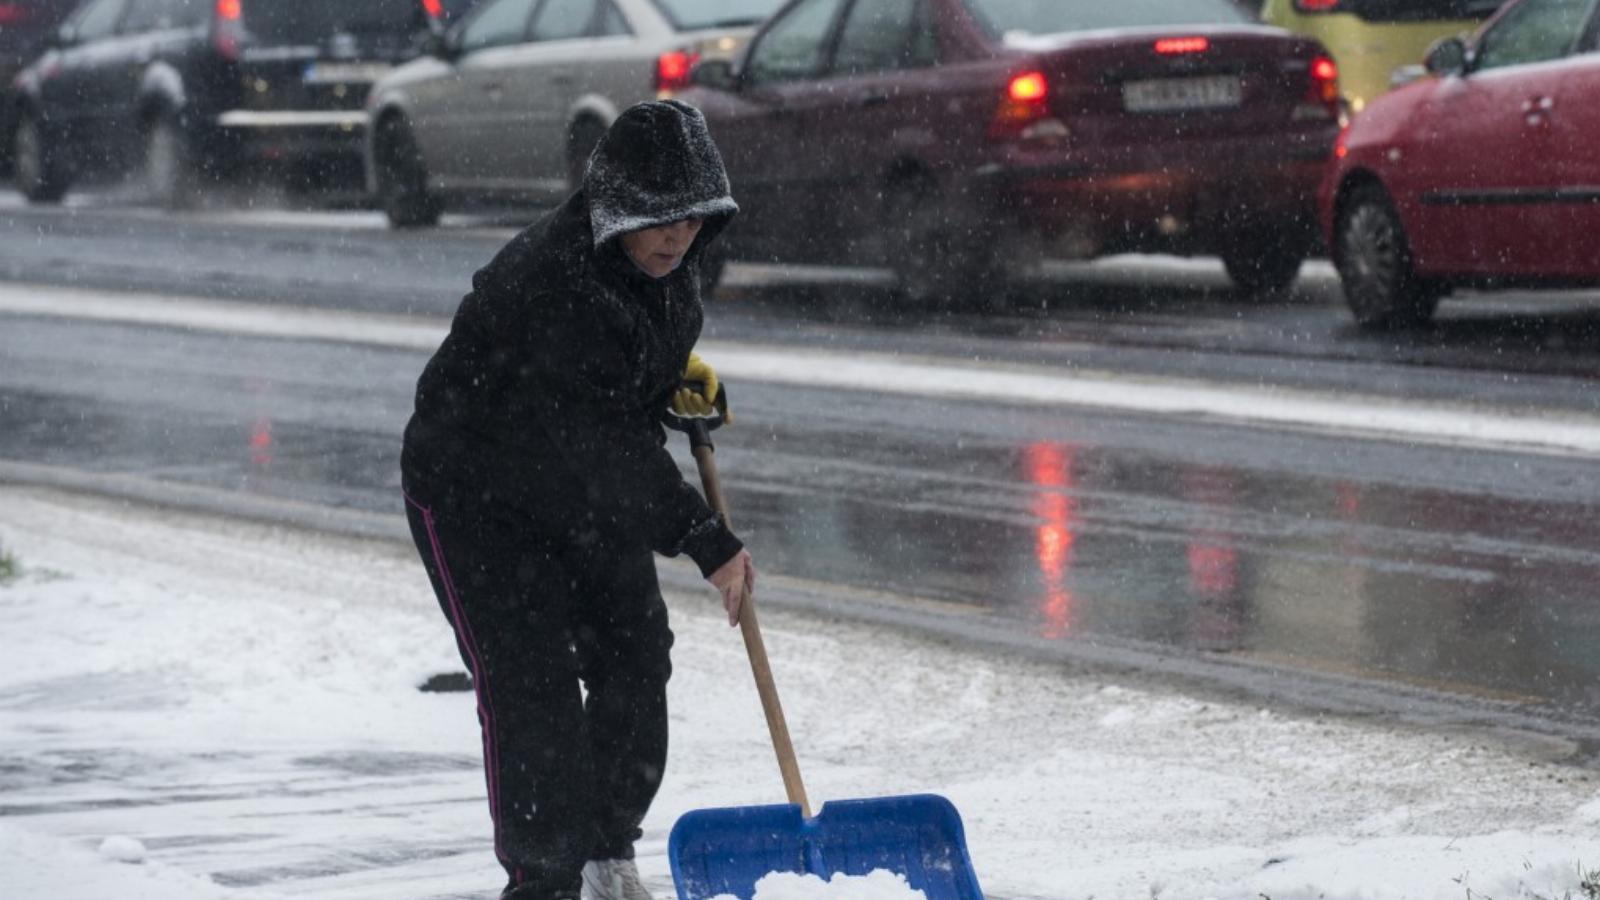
[655, 166]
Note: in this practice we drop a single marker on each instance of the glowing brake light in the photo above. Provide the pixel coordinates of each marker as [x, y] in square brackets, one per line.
[1175, 46]
[227, 32]
[1325, 79]
[1027, 88]
[434, 8]
[673, 69]
[1317, 6]
[1023, 112]
[1321, 100]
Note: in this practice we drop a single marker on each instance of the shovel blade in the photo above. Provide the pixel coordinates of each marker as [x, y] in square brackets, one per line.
[717, 852]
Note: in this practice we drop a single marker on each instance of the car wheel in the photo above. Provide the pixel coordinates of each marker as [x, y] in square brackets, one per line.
[1374, 262]
[171, 179]
[936, 261]
[36, 167]
[581, 141]
[403, 178]
[1261, 267]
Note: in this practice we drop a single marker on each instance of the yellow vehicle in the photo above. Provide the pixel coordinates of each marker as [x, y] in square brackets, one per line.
[1373, 39]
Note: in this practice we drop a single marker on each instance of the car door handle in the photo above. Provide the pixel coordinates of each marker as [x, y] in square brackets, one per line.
[874, 100]
[1536, 110]
[561, 80]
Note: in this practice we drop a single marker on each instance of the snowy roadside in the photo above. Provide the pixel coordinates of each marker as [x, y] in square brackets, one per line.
[234, 705]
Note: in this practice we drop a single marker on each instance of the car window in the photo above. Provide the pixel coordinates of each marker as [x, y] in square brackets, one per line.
[688, 15]
[559, 20]
[98, 20]
[1420, 10]
[496, 24]
[876, 36]
[1023, 17]
[1533, 31]
[611, 20]
[151, 15]
[307, 22]
[792, 48]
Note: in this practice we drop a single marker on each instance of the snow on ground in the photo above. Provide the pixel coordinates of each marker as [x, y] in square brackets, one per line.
[206, 708]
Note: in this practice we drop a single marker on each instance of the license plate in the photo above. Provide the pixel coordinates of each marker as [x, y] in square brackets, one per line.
[1182, 94]
[344, 73]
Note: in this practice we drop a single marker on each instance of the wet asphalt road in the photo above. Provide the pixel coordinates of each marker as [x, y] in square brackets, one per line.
[1416, 571]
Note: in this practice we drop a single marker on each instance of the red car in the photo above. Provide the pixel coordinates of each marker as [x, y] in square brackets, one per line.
[958, 140]
[1484, 173]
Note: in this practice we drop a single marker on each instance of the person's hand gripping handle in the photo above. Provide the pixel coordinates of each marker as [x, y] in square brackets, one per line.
[734, 580]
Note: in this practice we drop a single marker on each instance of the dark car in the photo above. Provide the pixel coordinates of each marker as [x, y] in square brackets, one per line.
[1485, 173]
[183, 90]
[957, 139]
[24, 27]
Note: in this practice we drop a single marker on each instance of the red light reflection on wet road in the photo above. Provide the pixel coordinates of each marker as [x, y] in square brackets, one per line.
[1050, 470]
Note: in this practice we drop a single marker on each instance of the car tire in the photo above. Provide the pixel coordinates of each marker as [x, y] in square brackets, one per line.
[37, 169]
[1373, 257]
[1262, 267]
[403, 178]
[171, 176]
[581, 140]
[938, 263]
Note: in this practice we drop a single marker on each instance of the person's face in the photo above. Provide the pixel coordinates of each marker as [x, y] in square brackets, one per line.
[660, 250]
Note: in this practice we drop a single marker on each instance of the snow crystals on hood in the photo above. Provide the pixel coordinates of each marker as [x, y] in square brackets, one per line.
[656, 165]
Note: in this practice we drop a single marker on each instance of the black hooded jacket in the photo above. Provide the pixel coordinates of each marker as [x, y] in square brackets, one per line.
[544, 403]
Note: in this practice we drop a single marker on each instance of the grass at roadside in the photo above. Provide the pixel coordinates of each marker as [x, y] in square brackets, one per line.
[1588, 889]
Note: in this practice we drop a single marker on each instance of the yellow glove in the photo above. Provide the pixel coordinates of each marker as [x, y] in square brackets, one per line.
[690, 402]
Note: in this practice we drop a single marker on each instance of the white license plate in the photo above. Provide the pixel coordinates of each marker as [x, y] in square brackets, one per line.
[1182, 94]
[345, 73]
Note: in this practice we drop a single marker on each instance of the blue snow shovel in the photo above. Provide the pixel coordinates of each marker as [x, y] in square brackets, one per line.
[725, 851]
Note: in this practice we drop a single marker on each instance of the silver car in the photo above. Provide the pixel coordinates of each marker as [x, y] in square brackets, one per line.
[509, 102]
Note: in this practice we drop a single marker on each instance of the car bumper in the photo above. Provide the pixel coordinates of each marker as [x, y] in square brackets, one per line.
[292, 135]
[1086, 207]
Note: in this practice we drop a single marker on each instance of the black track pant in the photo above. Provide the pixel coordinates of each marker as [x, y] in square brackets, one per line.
[571, 771]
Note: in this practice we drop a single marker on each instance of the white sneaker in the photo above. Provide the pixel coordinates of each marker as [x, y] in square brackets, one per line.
[613, 879]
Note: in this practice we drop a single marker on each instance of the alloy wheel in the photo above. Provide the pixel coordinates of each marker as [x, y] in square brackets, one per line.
[1375, 265]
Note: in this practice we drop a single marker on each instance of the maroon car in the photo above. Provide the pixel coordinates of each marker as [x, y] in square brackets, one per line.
[958, 141]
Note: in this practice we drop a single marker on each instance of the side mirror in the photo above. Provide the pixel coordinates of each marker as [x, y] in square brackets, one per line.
[442, 43]
[1447, 56]
[716, 74]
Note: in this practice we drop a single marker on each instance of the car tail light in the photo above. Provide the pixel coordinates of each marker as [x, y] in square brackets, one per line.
[434, 8]
[227, 31]
[1322, 93]
[673, 68]
[1024, 112]
[1177, 46]
[13, 14]
[1318, 6]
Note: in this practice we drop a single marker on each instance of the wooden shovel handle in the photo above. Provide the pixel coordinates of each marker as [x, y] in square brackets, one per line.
[756, 649]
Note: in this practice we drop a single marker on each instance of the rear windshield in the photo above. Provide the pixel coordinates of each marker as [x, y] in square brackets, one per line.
[691, 15]
[1421, 10]
[1012, 17]
[314, 21]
